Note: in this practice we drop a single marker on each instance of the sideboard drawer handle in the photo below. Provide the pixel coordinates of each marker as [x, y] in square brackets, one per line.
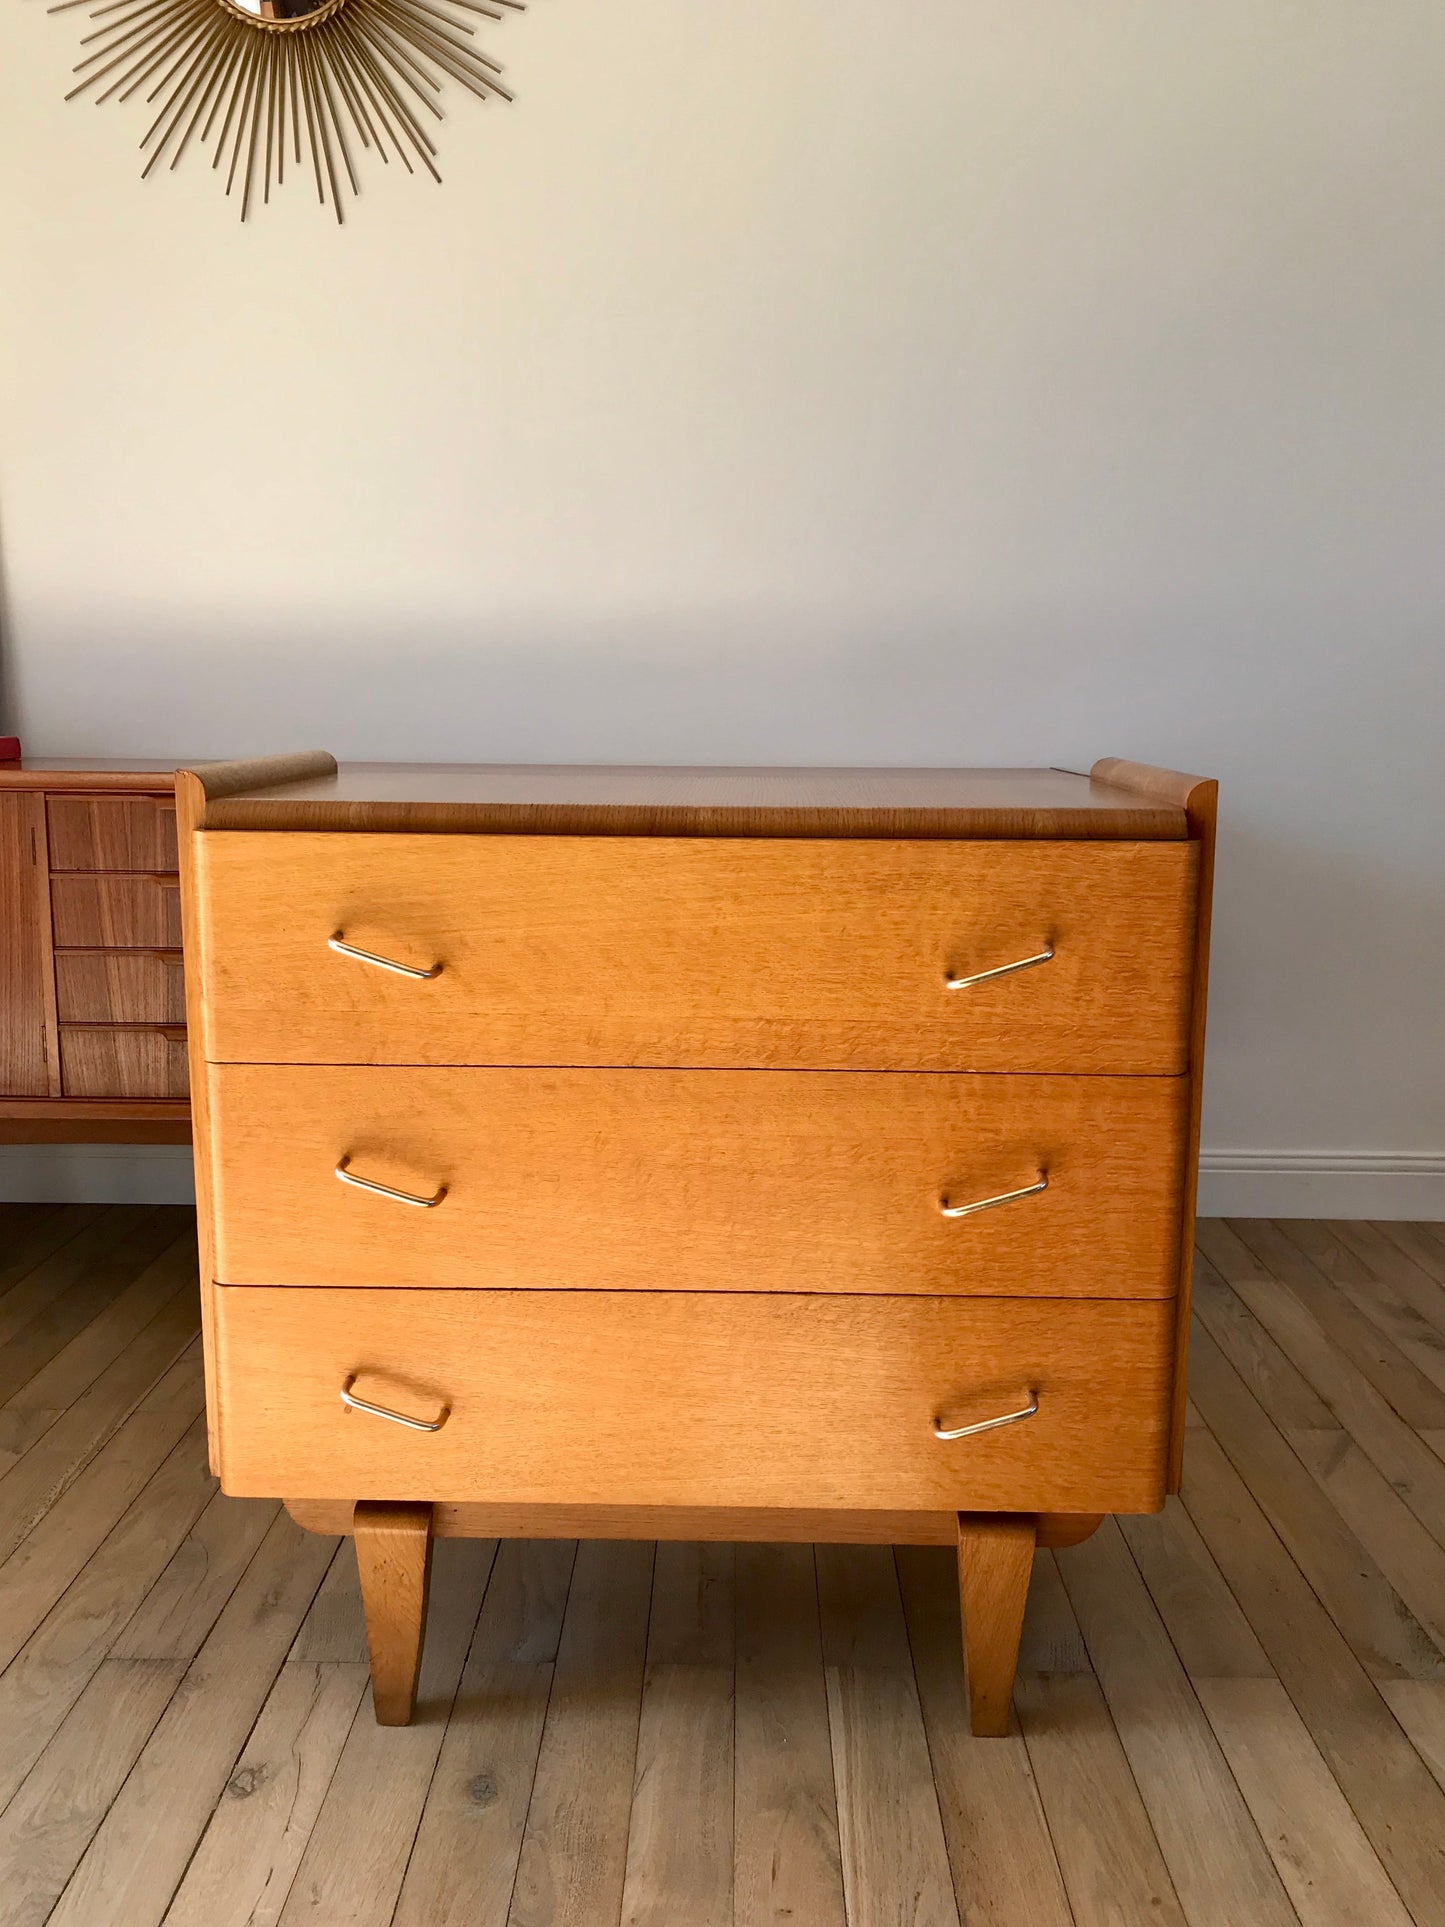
[334, 942]
[355, 1404]
[987, 1204]
[348, 1176]
[999, 970]
[988, 1424]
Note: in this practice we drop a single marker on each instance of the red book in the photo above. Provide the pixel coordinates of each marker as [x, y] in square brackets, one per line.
[9, 749]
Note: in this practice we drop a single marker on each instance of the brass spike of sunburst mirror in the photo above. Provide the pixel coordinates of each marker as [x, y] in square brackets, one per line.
[264, 80]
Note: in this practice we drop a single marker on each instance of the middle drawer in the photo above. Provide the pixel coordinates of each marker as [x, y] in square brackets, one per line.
[794, 1181]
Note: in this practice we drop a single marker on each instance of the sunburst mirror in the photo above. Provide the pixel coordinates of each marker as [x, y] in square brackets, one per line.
[278, 86]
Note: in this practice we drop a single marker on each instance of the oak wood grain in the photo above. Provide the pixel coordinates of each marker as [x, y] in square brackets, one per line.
[463, 1867]
[1004, 1867]
[705, 952]
[706, 1180]
[1397, 1802]
[692, 1399]
[601, 800]
[393, 1556]
[995, 1562]
[680, 1836]
[786, 1857]
[894, 1857]
[462, 1519]
[356, 1858]
[243, 1869]
[1221, 1870]
[54, 1816]
[573, 1861]
[142, 1848]
[1199, 799]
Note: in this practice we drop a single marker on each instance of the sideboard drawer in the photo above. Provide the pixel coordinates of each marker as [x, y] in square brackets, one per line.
[111, 1060]
[120, 986]
[801, 1181]
[112, 832]
[116, 912]
[677, 1398]
[697, 951]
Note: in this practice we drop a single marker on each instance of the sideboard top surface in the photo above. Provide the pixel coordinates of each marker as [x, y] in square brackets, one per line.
[639, 800]
[88, 773]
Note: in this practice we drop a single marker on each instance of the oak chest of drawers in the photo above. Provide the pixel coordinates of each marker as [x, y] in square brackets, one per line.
[733, 1154]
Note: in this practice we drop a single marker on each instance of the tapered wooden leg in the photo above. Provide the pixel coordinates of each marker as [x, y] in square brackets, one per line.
[393, 1556]
[995, 1561]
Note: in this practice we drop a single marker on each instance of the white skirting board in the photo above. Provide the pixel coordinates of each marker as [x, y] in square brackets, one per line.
[1232, 1184]
[1322, 1184]
[96, 1174]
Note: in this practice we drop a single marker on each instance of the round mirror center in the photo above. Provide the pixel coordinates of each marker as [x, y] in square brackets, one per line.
[280, 9]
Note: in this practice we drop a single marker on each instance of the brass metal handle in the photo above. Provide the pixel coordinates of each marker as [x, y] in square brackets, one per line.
[348, 1176]
[987, 1204]
[988, 1424]
[355, 1404]
[1044, 956]
[334, 942]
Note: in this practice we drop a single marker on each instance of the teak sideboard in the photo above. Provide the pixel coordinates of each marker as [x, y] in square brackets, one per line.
[92, 996]
[774, 1154]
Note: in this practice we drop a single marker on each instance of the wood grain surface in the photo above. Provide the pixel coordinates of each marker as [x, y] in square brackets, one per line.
[130, 1061]
[116, 911]
[640, 800]
[685, 1398]
[698, 1180]
[188, 1738]
[706, 952]
[111, 832]
[24, 1065]
[120, 986]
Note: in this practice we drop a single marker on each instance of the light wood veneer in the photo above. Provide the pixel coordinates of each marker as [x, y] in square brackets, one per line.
[678, 1399]
[643, 1180]
[705, 952]
[679, 1095]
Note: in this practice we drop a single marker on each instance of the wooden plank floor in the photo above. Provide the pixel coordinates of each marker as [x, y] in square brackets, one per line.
[1231, 1715]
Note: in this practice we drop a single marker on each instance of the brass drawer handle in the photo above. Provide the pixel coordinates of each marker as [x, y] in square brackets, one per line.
[334, 942]
[999, 970]
[348, 1176]
[355, 1404]
[987, 1204]
[989, 1424]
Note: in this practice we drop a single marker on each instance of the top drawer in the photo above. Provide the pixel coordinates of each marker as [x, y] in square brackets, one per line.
[696, 952]
[112, 832]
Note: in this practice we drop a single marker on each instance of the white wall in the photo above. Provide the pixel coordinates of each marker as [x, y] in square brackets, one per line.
[809, 380]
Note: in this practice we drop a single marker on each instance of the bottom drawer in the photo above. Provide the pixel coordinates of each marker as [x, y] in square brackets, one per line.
[108, 1060]
[694, 1398]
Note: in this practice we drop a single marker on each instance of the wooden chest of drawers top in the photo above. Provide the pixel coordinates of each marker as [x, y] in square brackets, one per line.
[810, 919]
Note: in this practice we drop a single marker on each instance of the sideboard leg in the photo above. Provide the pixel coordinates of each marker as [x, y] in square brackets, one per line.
[995, 1561]
[393, 1556]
